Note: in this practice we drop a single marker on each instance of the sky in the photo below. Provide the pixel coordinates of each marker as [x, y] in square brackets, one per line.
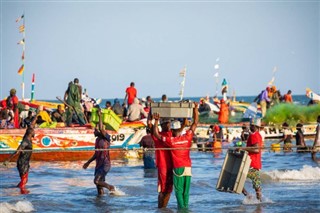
[108, 44]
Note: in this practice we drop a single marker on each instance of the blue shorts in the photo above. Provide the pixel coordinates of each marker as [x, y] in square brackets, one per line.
[102, 171]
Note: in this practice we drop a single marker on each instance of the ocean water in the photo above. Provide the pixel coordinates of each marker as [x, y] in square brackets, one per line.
[298, 99]
[290, 183]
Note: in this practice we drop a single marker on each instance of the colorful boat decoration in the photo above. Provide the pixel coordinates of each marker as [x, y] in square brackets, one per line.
[68, 144]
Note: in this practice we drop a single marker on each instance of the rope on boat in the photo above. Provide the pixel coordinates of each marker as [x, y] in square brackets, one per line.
[141, 149]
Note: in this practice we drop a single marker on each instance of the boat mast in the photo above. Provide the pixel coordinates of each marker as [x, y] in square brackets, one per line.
[182, 73]
[22, 42]
[24, 52]
[216, 75]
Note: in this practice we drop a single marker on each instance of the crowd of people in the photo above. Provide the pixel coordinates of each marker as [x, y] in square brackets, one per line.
[271, 97]
[172, 144]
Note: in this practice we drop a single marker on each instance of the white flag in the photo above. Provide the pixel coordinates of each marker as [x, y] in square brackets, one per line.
[182, 73]
[216, 75]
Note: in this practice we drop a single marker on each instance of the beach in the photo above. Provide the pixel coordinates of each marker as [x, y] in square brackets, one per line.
[290, 183]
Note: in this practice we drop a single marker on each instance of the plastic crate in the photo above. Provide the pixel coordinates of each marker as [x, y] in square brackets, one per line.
[234, 172]
[109, 119]
[173, 110]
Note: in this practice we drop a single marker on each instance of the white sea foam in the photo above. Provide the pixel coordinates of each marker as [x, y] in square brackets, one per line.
[20, 206]
[252, 200]
[117, 192]
[306, 173]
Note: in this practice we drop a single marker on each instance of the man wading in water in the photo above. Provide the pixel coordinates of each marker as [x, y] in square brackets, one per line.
[102, 157]
[25, 151]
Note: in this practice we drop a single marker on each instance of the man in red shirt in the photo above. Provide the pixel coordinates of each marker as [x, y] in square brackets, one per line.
[131, 93]
[180, 157]
[12, 104]
[164, 165]
[254, 145]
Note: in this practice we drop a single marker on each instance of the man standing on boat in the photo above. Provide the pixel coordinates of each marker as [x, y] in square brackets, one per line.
[25, 151]
[72, 98]
[264, 101]
[254, 144]
[102, 158]
[180, 156]
[131, 94]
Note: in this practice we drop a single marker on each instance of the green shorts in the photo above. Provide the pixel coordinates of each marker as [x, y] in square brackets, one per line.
[254, 176]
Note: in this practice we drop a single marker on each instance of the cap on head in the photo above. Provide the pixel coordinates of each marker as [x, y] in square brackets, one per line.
[256, 122]
[175, 125]
[13, 91]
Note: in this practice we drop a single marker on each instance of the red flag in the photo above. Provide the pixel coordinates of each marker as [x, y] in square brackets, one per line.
[21, 17]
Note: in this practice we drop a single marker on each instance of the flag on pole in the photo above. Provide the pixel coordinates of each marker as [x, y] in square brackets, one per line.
[182, 73]
[21, 69]
[19, 19]
[216, 75]
[21, 42]
[22, 57]
[275, 68]
[21, 29]
[271, 82]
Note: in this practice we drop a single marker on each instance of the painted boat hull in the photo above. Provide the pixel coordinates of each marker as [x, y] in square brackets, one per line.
[68, 144]
[233, 131]
[77, 143]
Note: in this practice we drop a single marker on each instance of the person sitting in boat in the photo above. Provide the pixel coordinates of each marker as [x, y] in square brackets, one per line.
[136, 111]
[288, 97]
[287, 136]
[108, 105]
[39, 121]
[28, 120]
[44, 115]
[87, 104]
[58, 115]
[6, 119]
[23, 114]
[117, 108]
[204, 107]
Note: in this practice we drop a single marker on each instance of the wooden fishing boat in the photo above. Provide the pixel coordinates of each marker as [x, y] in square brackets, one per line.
[72, 143]
[233, 131]
[77, 143]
